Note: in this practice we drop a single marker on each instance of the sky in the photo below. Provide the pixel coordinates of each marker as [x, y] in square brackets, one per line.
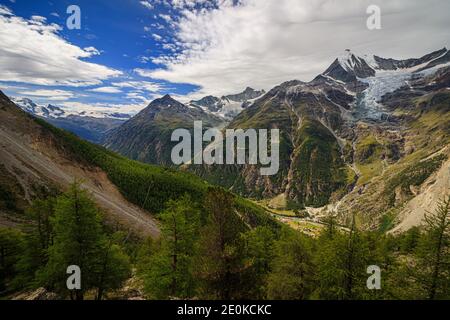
[129, 52]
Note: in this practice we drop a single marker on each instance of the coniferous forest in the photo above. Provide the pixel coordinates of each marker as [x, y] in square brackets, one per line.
[206, 252]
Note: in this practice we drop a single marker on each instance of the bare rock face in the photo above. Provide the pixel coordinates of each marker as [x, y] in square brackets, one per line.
[210, 102]
[35, 161]
[349, 69]
[247, 94]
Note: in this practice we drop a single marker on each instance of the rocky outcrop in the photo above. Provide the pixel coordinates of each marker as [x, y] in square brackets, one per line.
[247, 94]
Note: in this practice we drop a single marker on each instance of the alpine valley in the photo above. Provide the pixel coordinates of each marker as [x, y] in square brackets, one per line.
[368, 136]
[364, 159]
[192, 150]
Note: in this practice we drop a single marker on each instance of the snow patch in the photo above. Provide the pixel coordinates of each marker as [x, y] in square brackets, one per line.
[388, 81]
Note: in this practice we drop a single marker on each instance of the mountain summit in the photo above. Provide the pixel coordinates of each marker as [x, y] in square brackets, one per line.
[349, 67]
[147, 136]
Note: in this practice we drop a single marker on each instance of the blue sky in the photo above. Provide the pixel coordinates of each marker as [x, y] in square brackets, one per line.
[124, 34]
[129, 52]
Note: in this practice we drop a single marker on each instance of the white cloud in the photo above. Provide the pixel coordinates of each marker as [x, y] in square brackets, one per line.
[189, 4]
[170, 46]
[144, 72]
[165, 17]
[147, 4]
[39, 19]
[144, 60]
[32, 51]
[140, 85]
[157, 37]
[137, 96]
[92, 51]
[106, 90]
[263, 43]
[5, 10]
[98, 109]
[55, 95]
[4, 86]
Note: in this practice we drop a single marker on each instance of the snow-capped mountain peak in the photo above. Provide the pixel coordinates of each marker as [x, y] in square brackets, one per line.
[228, 106]
[50, 111]
[348, 67]
[349, 61]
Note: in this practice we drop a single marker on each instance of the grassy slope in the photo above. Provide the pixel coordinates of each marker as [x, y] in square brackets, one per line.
[368, 158]
[318, 168]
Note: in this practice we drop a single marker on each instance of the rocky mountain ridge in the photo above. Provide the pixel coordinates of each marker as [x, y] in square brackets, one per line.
[228, 106]
[91, 126]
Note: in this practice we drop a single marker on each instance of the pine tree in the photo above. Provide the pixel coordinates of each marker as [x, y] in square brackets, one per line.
[433, 266]
[341, 265]
[113, 269]
[10, 250]
[259, 252]
[41, 212]
[37, 239]
[292, 268]
[330, 226]
[80, 240]
[170, 272]
[410, 239]
[221, 263]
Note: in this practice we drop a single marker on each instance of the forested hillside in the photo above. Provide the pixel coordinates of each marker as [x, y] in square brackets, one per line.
[218, 256]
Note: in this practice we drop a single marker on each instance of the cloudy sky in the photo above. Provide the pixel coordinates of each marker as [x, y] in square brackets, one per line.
[129, 52]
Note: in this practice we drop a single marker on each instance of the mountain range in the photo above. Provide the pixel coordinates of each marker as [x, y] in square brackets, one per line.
[39, 160]
[94, 126]
[368, 137]
[350, 138]
[347, 138]
[91, 126]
